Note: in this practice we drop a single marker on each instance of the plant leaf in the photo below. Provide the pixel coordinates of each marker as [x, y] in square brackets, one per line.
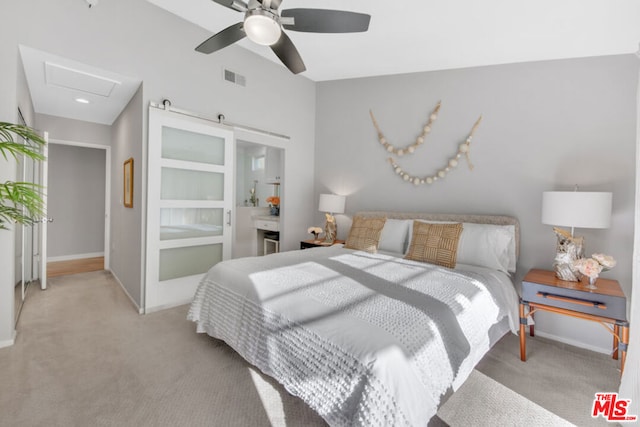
[20, 202]
[26, 198]
[8, 144]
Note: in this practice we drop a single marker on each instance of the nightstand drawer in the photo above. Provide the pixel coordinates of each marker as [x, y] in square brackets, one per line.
[263, 224]
[576, 300]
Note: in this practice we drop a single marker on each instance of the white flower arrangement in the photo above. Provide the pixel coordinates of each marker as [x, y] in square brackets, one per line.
[592, 267]
[606, 261]
[315, 231]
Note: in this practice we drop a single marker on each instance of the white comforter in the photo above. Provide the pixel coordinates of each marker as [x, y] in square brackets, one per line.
[363, 339]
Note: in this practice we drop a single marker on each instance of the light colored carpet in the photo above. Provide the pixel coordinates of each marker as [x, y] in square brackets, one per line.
[84, 357]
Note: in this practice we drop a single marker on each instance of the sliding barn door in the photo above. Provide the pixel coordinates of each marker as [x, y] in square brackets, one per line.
[189, 202]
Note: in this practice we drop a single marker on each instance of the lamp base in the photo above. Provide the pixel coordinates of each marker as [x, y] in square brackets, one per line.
[568, 250]
[566, 272]
[330, 229]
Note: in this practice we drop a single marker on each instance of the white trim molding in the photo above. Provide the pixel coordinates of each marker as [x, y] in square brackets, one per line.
[9, 343]
[74, 257]
[574, 343]
[137, 307]
[630, 381]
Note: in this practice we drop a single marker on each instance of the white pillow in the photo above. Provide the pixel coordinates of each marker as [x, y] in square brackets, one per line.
[394, 236]
[488, 245]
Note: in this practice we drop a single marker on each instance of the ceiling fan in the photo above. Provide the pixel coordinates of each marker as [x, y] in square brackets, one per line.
[263, 25]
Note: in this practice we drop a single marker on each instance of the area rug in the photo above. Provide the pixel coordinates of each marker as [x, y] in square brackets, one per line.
[481, 401]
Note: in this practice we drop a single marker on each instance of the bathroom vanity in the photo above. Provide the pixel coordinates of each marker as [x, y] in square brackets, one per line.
[256, 232]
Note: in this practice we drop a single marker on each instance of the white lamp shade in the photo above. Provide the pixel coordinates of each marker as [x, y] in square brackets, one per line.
[331, 203]
[580, 209]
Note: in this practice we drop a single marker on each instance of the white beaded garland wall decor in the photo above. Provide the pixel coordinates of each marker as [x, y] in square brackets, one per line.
[463, 150]
[409, 149]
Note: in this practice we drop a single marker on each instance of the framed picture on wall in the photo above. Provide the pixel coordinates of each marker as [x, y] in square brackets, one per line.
[128, 183]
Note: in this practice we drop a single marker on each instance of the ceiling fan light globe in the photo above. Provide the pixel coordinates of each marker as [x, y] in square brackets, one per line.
[262, 29]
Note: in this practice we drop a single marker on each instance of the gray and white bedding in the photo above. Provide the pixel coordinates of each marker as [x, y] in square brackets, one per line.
[364, 339]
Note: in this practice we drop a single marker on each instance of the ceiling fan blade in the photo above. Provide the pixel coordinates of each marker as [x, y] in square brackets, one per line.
[326, 21]
[288, 54]
[222, 39]
[237, 5]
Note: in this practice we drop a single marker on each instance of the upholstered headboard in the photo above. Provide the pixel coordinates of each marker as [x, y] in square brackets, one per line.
[476, 219]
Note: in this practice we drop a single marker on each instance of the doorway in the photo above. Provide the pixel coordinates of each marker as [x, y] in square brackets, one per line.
[259, 178]
[78, 207]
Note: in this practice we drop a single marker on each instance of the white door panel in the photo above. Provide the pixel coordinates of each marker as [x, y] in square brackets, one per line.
[189, 197]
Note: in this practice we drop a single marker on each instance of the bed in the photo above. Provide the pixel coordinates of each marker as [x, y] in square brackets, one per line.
[368, 337]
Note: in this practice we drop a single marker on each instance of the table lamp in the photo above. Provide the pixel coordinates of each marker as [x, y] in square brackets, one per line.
[331, 204]
[575, 209]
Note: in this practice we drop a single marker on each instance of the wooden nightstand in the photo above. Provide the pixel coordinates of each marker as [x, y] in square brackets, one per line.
[542, 290]
[306, 244]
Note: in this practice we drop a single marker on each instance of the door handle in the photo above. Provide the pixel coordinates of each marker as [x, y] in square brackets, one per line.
[572, 300]
[229, 217]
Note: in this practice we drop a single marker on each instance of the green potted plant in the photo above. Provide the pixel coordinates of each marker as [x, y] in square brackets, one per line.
[20, 202]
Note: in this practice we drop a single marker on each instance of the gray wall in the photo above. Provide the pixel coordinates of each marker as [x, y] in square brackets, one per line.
[127, 233]
[547, 126]
[75, 201]
[74, 130]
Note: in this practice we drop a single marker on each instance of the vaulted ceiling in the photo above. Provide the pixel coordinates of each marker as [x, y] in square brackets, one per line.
[403, 37]
[423, 35]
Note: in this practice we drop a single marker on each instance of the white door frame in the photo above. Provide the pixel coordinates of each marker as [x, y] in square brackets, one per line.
[268, 140]
[630, 381]
[107, 191]
[43, 179]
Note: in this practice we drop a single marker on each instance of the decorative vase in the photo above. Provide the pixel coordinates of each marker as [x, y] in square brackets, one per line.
[275, 210]
[592, 283]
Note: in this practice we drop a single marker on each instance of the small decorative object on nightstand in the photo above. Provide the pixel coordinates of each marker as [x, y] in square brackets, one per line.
[315, 231]
[542, 290]
[592, 267]
[331, 204]
[306, 244]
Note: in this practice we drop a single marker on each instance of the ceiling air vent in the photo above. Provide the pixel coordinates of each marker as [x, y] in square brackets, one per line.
[232, 77]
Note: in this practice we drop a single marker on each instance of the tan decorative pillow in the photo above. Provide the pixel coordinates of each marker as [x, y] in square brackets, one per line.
[435, 243]
[365, 234]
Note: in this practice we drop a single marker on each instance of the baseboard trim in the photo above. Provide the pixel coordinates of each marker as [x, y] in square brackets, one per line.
[574, 343]
[9, 343]
[135, 304]
[74, 257]
[166, 306]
